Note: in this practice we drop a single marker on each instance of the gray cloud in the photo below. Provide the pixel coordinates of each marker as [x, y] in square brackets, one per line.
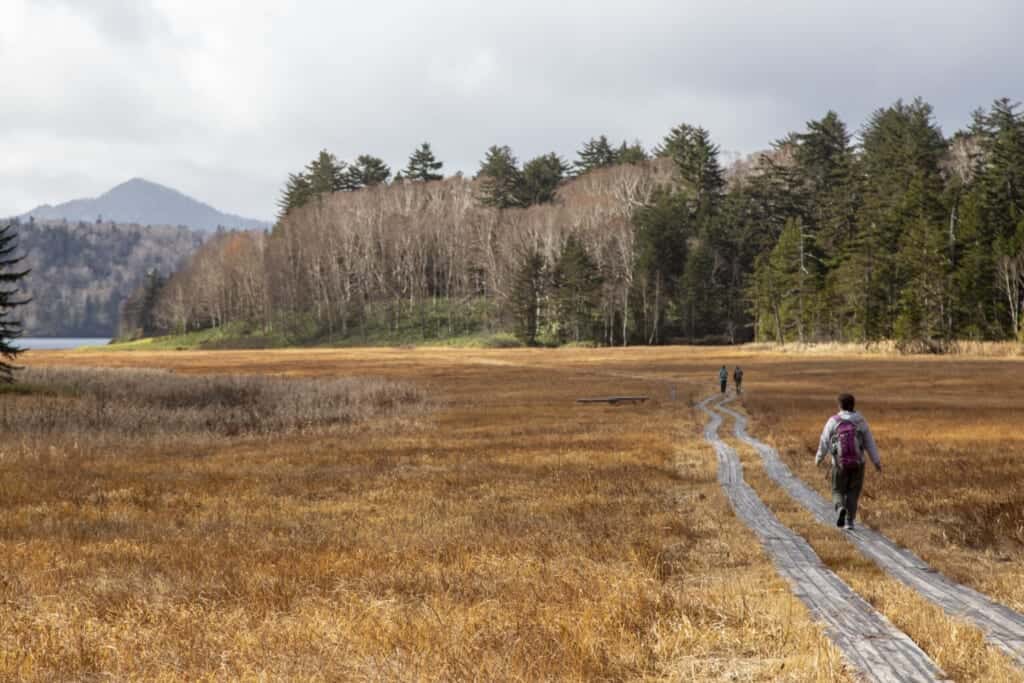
[221, 100]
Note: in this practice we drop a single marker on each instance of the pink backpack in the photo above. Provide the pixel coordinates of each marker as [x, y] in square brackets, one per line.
[846, 448]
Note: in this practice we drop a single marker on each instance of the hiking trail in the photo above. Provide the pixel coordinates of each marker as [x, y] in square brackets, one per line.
[1002, 626]
[870, 643]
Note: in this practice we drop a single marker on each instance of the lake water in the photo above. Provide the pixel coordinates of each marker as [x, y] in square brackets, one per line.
[53, 343]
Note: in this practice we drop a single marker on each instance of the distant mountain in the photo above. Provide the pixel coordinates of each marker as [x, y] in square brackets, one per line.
[81, 272]
[143, 202]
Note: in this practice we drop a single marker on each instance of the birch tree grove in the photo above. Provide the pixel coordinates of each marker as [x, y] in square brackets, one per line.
[424, 257]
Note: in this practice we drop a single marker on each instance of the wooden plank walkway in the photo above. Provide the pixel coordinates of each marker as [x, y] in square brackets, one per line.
[869, 642]
[1003, 627]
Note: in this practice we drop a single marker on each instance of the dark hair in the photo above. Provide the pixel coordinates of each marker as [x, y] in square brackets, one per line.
[847, 401]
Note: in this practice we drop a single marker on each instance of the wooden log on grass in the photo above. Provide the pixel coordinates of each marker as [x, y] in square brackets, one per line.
[614, 400]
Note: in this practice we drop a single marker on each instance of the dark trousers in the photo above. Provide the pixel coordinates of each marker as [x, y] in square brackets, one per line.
[846, 487]
[723, 386]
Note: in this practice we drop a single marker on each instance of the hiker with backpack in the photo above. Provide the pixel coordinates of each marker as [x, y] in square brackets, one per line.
[737, 377]
[845, 438]
[723, 378]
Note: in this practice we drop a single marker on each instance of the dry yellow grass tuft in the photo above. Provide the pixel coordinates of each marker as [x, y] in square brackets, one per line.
[507, 535]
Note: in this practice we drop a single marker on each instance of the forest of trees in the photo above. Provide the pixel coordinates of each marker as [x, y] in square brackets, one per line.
[895, 232]
[81, 272]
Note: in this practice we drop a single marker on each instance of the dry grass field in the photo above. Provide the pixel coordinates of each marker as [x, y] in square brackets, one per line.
[952, 444]
[481, 526]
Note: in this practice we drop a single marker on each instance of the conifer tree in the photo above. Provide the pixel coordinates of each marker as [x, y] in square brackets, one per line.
[528, 291]
[696, 160]
[366, 171]
[577, 284]
[596, 153]
[501, 181]
[663, 228]
[326, 174]
[542, 177]
[992, 240]
[423, 165]
[903, 150]
[631, 154]
[10, 278]
[323, 175]
[297, 192]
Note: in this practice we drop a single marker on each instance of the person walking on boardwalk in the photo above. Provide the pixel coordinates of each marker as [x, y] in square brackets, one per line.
[737, 378]
[845, 438]
[723, 378]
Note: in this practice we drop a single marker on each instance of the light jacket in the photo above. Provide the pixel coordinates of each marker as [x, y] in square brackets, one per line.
[828, 434]
[723, 375]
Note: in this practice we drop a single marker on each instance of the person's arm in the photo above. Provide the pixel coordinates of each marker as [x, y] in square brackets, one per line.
[825, 442]
[871, 447]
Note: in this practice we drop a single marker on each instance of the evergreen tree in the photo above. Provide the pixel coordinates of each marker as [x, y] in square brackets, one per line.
[366, 171]
[663, 228]
[501, 181]
[10, 277]
[786, 286]
[297, 192]
[596, 153]
[993, 222]
[903, 150]
[528, 290]
[151, 289]
[577, 284]
[631, 154]
[326, 174]
[422, 165]
[696, 160]
[323, 175]
[541, 178]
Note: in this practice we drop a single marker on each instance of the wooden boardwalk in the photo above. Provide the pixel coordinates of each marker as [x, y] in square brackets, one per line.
[1003, 627]
[876, 649]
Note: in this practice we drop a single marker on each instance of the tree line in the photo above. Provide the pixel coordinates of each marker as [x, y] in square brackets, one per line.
[895, 232]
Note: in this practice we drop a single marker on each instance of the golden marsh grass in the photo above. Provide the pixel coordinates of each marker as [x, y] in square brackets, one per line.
[504, 534]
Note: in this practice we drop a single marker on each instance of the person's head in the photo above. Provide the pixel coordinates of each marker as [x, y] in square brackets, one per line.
[847, 402]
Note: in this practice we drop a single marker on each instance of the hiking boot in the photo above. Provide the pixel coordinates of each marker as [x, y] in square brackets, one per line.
[841, 522]
[849, 525]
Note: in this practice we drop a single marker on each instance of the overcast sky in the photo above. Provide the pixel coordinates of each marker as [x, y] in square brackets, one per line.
[221, 99]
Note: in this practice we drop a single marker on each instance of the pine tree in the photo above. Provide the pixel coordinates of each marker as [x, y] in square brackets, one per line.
[366, 171]
[903, 150]
[501, 181]
[528, 291]
[577, 284]
[663, 228]
[422, 165]
[596, 153]
[323, 175]
[10, 278]
[326, 174]
[786, 287]
[297, 192]
[991, 239]
[631, 154]
[541, 178]
[152, 288]
[696, 160]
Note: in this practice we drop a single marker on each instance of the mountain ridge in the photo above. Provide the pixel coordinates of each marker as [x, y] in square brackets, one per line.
[145, 202]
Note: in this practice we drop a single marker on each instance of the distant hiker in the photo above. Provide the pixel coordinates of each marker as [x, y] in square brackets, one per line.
[845, 438]
[723, 378]
[737, 377]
